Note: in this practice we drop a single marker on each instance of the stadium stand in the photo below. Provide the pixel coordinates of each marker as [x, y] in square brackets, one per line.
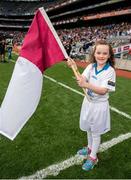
[79, 23]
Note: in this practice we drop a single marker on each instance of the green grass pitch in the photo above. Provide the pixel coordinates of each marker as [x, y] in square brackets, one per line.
[52, 134]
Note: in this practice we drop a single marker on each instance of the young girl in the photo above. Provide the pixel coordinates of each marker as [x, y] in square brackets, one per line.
[99, 79]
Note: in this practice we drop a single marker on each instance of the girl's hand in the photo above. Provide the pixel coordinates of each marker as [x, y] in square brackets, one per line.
[71, 63]
[81, 81]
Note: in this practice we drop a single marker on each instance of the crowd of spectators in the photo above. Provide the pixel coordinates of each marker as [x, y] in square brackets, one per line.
[78, 41]
[16, 36]
[8, 41]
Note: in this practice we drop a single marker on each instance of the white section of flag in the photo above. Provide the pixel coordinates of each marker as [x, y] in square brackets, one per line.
[21, 99]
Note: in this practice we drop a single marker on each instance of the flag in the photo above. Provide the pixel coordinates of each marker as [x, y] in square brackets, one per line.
[41, 49]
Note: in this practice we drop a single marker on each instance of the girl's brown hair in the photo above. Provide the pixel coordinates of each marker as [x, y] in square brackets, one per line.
[111, 53]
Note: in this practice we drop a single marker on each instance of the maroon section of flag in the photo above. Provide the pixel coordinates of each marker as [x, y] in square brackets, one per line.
[40, 44]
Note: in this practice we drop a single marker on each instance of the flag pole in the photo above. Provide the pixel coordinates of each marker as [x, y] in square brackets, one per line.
[77, 73]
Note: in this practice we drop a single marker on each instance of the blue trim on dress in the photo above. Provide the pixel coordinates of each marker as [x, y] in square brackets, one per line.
[107, 65]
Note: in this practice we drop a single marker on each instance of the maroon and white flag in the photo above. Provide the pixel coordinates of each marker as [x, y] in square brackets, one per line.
[41, 49]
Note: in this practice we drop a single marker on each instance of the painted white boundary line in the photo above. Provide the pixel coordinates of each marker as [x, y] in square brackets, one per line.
[55, 169]
[63, 85]
[71, 89]
[120, 112]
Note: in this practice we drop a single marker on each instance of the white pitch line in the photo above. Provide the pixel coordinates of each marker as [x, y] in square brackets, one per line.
[120, 112]
[55, 169]
[78, 92]
[65, 86]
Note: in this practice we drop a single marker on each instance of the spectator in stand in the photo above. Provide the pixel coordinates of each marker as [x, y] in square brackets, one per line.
[9, 50]
[68, 46]
[2, 50]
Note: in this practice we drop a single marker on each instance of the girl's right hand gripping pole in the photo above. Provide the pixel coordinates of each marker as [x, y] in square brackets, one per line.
[77, 73]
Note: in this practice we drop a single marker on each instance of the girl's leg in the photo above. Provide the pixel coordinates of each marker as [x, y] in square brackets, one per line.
[92, 158]
[96, 139]
[86, 150]
[89, 139]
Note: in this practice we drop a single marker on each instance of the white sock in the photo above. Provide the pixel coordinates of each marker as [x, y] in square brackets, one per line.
[89, 138]
[95, 145]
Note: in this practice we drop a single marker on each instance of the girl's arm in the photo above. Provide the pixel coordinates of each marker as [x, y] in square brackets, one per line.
[82, 81]
[96, 89]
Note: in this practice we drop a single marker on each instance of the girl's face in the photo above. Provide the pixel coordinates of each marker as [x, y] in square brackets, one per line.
[101, 54]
